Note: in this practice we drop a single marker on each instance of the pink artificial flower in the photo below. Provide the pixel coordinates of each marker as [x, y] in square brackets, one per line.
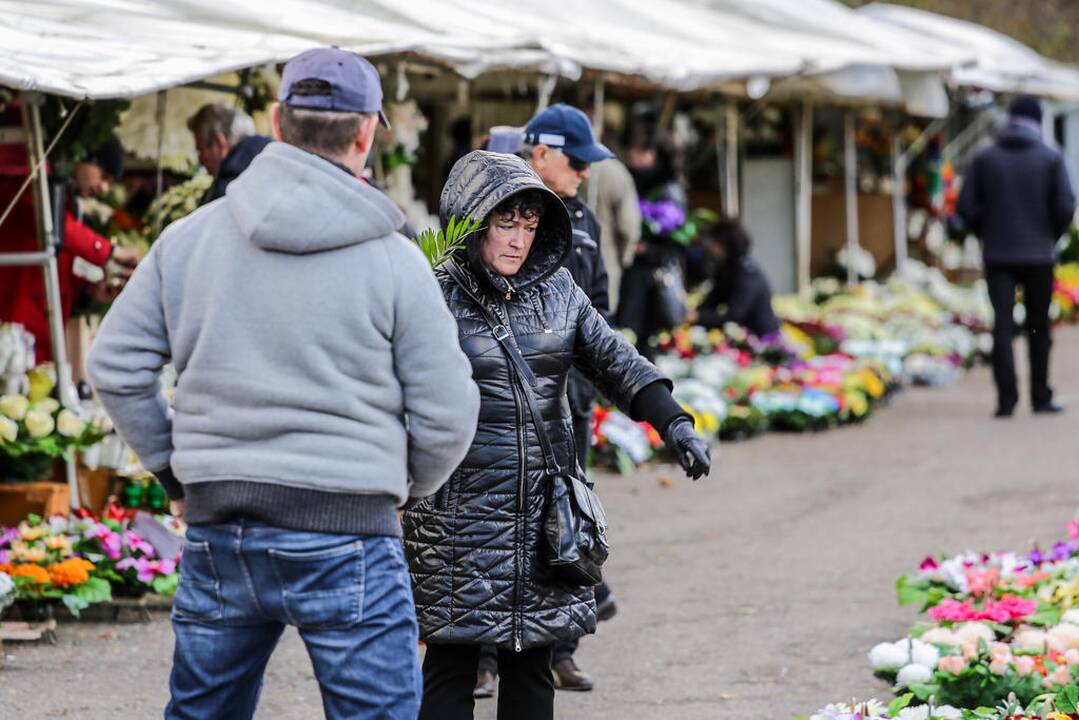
[1024, 665]
[953, 664]
[1000, 651]
[1073, 528]
[970, 650]
[951, 610]
[929, 563]
[998, 667]
[981, 582]
[1071, 657]
[1061, 676]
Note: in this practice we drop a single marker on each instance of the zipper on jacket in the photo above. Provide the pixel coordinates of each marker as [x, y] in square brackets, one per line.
[522, 453]
[509, 293]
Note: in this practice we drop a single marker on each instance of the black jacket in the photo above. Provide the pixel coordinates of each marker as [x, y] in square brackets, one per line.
[474, 548]
[235, 162]
[1017, 198]
[742, 297]
[585, 264]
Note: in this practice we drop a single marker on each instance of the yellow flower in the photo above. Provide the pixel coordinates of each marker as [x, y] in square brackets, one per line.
[59, 542]
[69, 424]
[14, 406]
[39, 424]
[29, 532]
[28, 553]
[9, 431]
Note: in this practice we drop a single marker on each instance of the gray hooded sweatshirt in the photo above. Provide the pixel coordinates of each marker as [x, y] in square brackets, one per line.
[320, 380]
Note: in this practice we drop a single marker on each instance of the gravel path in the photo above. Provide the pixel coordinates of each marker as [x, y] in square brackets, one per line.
[752, 594]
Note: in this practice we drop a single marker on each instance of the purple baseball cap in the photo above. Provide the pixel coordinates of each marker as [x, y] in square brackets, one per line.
[332, 79]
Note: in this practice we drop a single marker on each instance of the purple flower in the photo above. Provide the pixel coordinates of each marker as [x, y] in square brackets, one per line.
[1061, 551]
[662, 217]
[8, 536]
[1036, 556]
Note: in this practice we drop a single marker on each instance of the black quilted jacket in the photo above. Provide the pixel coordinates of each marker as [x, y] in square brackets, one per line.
[474, 547]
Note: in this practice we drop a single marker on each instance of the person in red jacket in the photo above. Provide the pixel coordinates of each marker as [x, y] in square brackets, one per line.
[22, 288]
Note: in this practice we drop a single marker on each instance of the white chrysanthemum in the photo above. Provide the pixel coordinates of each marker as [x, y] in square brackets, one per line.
[914, 674]
[889, 657]
[919, 712]
[39, 424]
[947, 712]
[69, 424]
[47, 405]
[14, 406]
[7, 590]
[8, 429]
[923, 653]
[1070, 616]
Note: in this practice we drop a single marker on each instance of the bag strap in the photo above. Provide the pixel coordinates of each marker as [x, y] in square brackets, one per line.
[526, 379]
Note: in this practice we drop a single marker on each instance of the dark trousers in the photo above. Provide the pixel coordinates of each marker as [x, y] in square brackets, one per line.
[565, 651]
[1037, 284]
[525, 685]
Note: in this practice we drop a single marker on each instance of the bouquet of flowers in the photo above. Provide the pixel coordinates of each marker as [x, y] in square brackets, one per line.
[33, 433]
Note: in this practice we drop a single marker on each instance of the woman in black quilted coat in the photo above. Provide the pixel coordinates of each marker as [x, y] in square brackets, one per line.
[474, 547]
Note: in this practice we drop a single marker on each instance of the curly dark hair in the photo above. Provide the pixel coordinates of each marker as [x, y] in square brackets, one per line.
[529, 203]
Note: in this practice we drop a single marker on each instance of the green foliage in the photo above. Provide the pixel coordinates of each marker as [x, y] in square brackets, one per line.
[165, 585]
[899, 703]
[91, 127]
[439, 246]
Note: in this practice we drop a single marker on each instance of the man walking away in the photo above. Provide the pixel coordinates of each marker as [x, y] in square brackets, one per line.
[1018, 200]
[226, 143]
[321, 385]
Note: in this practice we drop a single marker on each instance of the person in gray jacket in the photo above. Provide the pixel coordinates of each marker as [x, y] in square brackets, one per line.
[320, 387]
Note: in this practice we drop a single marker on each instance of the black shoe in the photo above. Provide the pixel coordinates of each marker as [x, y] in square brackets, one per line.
[486, 684]
[1050, 408]
[606, 609]
[1005, 412]
[567, 676]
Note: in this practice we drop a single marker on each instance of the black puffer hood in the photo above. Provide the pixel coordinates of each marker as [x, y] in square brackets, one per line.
[478, 183]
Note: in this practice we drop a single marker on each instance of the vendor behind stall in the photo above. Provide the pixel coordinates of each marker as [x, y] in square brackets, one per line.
[88, 264]
[740, 290]
[226, 142]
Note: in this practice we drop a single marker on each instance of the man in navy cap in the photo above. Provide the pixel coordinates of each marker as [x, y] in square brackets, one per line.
[559, 144]
[321, 388]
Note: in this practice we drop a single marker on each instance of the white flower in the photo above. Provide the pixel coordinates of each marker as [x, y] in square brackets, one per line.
[14, 406]
[1071, 616]
[889, 657]
[919, 712]
[7, 590]
[48, 405]
[947, 712]
[69, 424]
[914, 674]
[941, 636]
[923, 653]
[8, 429]
[39, 424]
[972, 632]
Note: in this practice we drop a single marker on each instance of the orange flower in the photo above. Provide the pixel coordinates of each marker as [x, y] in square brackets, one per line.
[74, 571]
[38, 574]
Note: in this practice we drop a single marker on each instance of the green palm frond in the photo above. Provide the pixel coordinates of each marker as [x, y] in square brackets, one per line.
[439, 245]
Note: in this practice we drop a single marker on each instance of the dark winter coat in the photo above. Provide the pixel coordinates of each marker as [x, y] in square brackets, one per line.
[474, 548]
[743, 297]
[1017, 198]
[239, 157]
[585, 264]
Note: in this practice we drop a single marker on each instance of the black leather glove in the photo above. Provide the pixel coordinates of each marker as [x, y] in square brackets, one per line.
[689, 447]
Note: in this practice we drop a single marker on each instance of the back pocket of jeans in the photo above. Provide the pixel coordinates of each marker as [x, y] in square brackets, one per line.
[321, 589]
[199, 595]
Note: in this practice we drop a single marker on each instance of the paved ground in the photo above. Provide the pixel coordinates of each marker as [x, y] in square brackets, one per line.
[752, 594]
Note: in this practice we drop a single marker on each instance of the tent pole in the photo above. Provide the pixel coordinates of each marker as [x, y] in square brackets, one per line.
[899, 203]
[598, 93]
[35, 144]
[850, 160]
[545, 89]
[731, 202]
[803, 188]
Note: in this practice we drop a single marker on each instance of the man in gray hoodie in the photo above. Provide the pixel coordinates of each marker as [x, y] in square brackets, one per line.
[320, 387]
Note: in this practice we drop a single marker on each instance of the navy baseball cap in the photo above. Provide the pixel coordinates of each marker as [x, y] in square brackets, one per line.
[567, 128]
[332, 79]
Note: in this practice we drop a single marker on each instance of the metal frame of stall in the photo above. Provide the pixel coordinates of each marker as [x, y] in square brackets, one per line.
[45, 258]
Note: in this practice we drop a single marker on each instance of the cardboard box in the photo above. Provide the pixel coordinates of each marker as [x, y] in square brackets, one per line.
[17, 500]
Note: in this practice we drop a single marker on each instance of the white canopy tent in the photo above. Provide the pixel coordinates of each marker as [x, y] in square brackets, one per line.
[1001, 64]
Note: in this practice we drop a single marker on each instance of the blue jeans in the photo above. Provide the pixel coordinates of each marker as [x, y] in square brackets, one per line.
[242, 582]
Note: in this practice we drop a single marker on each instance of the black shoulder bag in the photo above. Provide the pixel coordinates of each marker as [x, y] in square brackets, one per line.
[574, 523]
